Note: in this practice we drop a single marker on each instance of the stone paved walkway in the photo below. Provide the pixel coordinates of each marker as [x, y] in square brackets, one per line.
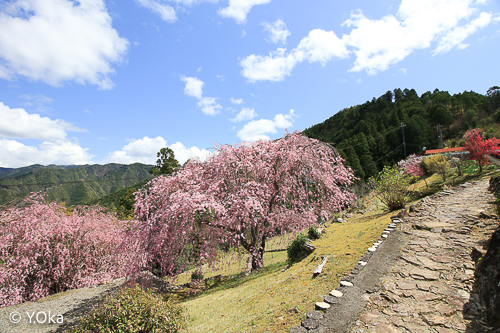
[430, 288]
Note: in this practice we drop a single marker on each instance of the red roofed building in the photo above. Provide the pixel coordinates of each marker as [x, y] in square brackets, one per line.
[444, 150]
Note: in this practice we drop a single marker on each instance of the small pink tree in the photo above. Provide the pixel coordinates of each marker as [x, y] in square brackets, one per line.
[44, 251]
[241, 196]
[411, 166]
[478, 147]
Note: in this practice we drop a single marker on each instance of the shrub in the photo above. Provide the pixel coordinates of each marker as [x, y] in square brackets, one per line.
[313, 232]
[426, 163]
[134, 310]
[391, 187]
[295, 250]
[44, 251]
[197, 275]
[439, 164]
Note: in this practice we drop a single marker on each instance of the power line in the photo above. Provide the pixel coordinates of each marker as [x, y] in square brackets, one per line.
[372, 139]
[385, 157]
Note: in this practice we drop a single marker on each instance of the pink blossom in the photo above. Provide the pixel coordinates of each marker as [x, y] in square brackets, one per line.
[44, 251]
[241, 196]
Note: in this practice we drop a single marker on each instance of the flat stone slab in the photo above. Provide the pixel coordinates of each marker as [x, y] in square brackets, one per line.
[430, 264]
[314, 314]
[372, 249]
[385, 235]
[407, 285]
[346, 283]
[322, 306]
[438, 224]
[331, 299]
[336, 293]
[363, 263]
[310, 324]
[298, 329]
[424, 274]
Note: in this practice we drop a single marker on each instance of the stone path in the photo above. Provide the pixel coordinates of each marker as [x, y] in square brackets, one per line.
[430, 288]
[419, 276]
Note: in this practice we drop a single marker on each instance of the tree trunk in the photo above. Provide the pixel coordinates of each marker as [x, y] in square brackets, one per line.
[257, 260]
[258, 255]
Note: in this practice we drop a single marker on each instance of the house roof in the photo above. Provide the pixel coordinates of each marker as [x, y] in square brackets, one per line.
[444, 150]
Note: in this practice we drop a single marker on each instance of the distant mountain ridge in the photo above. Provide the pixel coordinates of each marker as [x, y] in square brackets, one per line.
[71, 184]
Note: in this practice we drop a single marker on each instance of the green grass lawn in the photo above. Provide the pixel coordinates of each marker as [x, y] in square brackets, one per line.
[273, 300]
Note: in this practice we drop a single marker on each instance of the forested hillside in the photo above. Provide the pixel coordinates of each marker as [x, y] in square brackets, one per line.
[370, 136]
[72, 185]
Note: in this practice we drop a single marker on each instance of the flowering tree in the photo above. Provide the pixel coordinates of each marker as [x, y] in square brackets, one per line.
[241, 196]
[45, 251]
[478, 147]
[411, 166]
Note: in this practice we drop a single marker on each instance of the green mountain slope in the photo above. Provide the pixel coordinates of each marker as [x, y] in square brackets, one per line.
[370, 136]
[73, 185]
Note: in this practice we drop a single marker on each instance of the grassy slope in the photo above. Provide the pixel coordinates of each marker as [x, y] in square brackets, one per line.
[277, 300]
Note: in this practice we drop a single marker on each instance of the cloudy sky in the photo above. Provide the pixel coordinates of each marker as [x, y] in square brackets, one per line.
[94, 81]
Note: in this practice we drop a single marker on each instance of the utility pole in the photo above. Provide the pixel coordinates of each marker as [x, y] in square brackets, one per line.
[404, 142]
[441, 135]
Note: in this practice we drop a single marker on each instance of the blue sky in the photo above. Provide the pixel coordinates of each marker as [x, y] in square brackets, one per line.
[93, 81]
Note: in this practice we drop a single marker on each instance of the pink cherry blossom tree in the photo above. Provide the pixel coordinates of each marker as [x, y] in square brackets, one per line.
[411, 166]
[44, 251]
[241, 196]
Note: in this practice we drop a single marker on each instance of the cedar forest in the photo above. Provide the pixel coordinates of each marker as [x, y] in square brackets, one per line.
[369, 136]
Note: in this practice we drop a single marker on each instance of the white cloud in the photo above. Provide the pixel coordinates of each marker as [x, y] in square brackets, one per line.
[384, 42]
[144, 151]
[239, 9]
[58, 40]
[378, 43]
[274, 67]
[182, 153]
[319, 46]
[458, 34]
[256, 129]
[277, 31]
[39, 102]
[37, 99]
[194, 87]
[55, 148]
[166, 12]
[209, 106]
[138, 151]
[237, 101]
[60, 152]
[18, 124]
[220, 77]
[244, 114]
